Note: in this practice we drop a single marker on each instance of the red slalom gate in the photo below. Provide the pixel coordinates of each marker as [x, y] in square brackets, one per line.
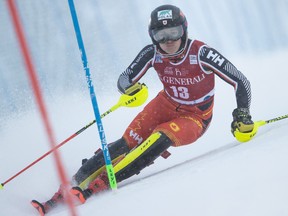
[38, 96]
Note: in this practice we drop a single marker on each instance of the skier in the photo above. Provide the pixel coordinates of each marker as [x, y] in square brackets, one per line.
[177, 116]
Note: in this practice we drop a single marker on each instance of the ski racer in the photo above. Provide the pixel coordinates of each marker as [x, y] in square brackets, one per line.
[180, 113]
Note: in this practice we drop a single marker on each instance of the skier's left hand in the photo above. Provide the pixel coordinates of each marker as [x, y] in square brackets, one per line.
[242, 121]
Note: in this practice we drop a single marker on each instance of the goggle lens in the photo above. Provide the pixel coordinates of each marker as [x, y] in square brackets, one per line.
[166, 34]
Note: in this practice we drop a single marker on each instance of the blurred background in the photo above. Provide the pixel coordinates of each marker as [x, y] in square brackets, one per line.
[113, 33]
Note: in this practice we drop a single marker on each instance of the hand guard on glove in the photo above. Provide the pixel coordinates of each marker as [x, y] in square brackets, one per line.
[241, 121]
[134, 89]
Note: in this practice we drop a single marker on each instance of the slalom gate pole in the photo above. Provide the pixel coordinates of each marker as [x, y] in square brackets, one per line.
[125, 100]
[108, 162]
[38, 96]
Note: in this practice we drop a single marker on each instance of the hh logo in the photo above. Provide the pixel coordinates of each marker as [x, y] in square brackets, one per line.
[174, 126]
[215, 57]
[136, 137]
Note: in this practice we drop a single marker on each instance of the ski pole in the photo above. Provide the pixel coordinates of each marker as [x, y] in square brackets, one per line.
[125, 100]
[130, 100]
[244, 137]
[275, 119]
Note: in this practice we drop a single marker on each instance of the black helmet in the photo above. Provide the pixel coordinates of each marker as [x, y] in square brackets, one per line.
[168, 17]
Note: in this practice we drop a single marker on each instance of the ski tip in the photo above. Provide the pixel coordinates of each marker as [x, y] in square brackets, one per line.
[39, 207]
[1, 186]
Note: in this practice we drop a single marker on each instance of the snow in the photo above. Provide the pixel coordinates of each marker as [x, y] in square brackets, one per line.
[214, 176]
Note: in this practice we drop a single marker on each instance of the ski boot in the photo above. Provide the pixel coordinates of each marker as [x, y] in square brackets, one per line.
[45, 207]
[99, 184]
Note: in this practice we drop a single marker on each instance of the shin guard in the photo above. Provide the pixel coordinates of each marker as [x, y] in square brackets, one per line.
[96, 164]
[142, 156]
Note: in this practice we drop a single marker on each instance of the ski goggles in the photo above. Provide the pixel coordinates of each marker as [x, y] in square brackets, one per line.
[166, 34]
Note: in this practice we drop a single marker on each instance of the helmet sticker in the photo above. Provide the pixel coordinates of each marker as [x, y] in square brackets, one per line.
[164, 14]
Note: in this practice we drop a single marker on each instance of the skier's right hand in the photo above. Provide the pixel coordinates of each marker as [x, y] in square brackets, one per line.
[134, 89]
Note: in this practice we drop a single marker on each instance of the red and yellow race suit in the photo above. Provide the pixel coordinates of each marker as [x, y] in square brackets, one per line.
[183, 109]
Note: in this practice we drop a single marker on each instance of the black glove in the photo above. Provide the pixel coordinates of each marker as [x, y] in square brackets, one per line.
[241, 120]
[134, 89]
